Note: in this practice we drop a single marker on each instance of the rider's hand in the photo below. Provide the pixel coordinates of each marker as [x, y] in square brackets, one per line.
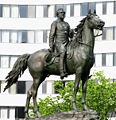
[51, 49]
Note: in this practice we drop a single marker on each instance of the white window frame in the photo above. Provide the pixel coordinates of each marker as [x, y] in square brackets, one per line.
[98, 60]
[109, 59]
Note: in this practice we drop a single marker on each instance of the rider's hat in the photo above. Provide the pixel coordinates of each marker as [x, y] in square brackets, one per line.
[60, 10]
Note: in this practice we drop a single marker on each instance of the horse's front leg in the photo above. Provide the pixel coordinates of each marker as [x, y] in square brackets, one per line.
[76, 87]
[84, 89]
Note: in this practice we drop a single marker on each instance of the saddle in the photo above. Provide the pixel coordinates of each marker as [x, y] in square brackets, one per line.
[53, 57]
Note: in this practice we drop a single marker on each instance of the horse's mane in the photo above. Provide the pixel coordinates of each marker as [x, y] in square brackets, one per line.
[78, 33]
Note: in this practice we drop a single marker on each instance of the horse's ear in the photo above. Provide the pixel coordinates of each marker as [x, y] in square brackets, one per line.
[89, 11]
[94, 11]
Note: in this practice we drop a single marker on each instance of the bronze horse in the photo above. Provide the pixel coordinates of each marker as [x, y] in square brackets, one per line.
[80, 59]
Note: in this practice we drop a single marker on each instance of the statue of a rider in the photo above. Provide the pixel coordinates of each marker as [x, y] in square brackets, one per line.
[59, 38]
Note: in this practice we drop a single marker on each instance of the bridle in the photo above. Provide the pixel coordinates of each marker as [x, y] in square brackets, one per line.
[87, 44]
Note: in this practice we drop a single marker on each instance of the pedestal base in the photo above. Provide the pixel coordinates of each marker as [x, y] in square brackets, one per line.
[71, 115]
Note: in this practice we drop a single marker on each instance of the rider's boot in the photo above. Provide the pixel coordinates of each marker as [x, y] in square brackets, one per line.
[63, 72]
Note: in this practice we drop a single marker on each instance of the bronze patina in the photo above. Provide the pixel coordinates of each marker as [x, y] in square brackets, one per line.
[80, 59]
[59, 39]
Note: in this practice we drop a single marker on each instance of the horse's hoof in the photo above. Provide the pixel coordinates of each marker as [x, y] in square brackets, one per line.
[38, 115]
[76, 110]
[26, 116]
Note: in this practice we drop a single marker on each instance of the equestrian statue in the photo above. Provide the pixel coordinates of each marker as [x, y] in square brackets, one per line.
[65, 57]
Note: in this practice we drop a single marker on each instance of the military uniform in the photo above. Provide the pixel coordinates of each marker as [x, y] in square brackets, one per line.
[59, 38]
[59, 35]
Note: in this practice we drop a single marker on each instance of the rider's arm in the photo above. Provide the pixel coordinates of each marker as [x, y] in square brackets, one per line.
[71, 32]
[52, 35]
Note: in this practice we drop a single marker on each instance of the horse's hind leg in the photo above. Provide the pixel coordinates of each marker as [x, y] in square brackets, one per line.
[36, 83]
[29, 95]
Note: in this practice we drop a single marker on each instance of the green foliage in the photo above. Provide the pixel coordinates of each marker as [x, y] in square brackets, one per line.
[100, 96]
[46, 106]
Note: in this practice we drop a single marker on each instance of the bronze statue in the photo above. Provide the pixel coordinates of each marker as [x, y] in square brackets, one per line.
[80, 59]
[59, 38]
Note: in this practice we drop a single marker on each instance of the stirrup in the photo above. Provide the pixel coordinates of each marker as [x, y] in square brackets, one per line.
[63, 75]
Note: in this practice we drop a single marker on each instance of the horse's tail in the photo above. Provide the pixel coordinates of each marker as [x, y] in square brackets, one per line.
[18, 69]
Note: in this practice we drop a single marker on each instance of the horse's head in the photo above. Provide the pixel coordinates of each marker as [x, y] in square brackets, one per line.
[94, 21]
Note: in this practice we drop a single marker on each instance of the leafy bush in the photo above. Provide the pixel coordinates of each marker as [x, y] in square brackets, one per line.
[100, 96]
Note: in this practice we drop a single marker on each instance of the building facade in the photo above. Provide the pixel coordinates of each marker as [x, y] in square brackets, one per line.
[24, 28]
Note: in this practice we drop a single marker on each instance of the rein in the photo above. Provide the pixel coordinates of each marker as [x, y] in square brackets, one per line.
[87, 44]
[84, 44]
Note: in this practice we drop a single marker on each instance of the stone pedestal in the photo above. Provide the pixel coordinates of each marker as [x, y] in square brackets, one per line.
[71, 115]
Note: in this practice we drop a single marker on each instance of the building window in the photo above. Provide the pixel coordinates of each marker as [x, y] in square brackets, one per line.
[68, 11]
[19, 112]
[109, 59]
[4, 113]
[3, 84]
[84, 9]
[44, 87]
[0, 86]
[30, 36]
[39, 11]
[6, 11]
[48, 32]
[99, 8]
[98, 60]
[39, 37]
[103, 59]
[45, 36]
[71, 10]
[77, 10]
[114, 33]
[31, 11]
[86, 6]
[92, 7]
[7, 61]
[14, 11]
[5, 36]
[98, 32]
[110, 8]
[19, 37]
[51, 10]
[24, 37]
[11, 113]
[0, 10]
[114, 7]
[13, 37]
[20, 87]
[12, 89]
[60, 6]
[104, 8]
[4, 62]
[13, 60]
[7, 113]
[114, 59]
[45, 11]
[104, 34]
[28, 85]
[109, 33]
[23, 11]
[0, 112]
[0, 36]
